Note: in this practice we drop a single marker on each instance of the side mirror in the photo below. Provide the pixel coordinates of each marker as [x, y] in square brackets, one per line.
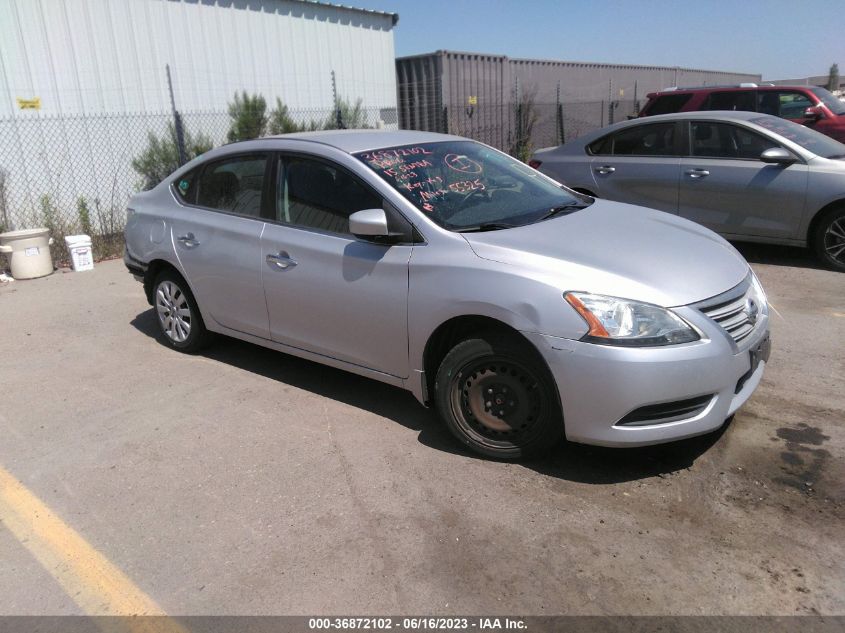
[813, 113]
[369, 223]
[777, 156]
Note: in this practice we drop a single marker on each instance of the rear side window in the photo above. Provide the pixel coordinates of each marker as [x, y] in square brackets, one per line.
[657, 139]
[184, 186]
[668, 104]
[233, 184]
[733, 100]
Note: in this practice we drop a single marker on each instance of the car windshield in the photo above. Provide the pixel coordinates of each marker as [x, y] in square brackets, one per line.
[834, 105]
[467, 186]
[811, 140]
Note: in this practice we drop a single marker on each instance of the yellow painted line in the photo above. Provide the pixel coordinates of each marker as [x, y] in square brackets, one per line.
[88, 577]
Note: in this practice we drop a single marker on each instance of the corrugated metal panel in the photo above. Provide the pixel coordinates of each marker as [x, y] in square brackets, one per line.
[492, 78]
[109, 55]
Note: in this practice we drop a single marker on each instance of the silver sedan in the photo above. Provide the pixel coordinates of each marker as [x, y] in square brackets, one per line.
[745, 175]
[520, 310]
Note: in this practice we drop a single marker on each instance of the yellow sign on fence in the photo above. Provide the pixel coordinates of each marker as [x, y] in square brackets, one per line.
[29, 104]
[472, 101]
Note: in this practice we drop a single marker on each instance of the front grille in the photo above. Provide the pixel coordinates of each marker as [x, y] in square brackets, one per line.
[666, 412]
[736, 311]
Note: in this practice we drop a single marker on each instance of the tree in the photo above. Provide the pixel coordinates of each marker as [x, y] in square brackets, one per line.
[526, 117]
[352, 116]
[281, 122]
[833, 78]
[249, 117]
[161, 157]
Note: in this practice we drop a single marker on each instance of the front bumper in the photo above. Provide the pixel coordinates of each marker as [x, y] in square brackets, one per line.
[600, 385]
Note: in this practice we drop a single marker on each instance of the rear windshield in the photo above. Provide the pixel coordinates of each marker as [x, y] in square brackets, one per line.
[835, 105]
[811, 140]
[464, 185]
[668, 104]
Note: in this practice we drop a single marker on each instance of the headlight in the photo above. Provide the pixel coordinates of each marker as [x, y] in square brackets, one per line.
[759, 293]
[615, 321]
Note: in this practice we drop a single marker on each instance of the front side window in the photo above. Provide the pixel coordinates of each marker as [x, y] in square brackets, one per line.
[731, 100]
[318, 195]
[723, 140]
[233, 184]
[467, 186]
[645, 140]
[788, 104]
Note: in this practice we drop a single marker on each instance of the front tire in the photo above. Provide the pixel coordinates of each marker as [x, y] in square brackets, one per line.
[178, 316]
[497, 397]
[829, 239]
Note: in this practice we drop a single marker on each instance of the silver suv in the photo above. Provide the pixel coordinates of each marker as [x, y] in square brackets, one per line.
[523, 311]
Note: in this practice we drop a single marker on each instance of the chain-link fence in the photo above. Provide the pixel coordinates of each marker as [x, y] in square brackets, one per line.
[75, 174]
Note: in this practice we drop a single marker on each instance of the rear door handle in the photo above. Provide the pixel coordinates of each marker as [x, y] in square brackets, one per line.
[281, 260]
[188, 240]
[605, 169]
[697, 173]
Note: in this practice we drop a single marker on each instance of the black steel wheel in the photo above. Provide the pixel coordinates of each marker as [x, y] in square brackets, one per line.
[498, 398]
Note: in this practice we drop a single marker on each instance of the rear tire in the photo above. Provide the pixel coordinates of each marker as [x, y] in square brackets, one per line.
[498, 398]
[177, 313]
[828, 239]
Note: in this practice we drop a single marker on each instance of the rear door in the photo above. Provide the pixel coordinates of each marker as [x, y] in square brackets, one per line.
[216, 237]
[639, 165]
[726, 187]
[329, 292]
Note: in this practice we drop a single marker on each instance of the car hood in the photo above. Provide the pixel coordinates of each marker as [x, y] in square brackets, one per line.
[620, 250]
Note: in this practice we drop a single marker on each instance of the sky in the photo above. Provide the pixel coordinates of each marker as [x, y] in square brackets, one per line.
[782, 39]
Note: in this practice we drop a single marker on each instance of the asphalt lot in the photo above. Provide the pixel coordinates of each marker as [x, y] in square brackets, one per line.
[244, 481]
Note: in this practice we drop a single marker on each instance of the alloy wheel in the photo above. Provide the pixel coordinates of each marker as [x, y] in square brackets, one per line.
[174, 313]
[834, 240]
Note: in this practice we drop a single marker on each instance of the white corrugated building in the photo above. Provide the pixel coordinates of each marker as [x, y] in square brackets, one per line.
[92, 56]
[83, 84]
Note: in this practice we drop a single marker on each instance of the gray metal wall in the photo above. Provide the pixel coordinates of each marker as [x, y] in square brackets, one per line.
[434, 89]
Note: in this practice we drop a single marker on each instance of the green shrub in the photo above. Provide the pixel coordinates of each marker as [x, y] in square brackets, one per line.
[161, 158]
[249, 117]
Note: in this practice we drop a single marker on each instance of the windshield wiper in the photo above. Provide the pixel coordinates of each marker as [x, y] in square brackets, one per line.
[485, 226]
[562, 209]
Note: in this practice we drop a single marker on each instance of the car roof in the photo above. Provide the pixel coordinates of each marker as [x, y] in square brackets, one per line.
[671, 91]
[353, 141]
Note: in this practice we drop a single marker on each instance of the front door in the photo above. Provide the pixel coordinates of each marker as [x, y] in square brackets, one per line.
[327, 291]
[727, 188]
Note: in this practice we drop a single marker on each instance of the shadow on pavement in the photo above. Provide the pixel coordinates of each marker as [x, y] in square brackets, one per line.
[778, 255]
[569, 461]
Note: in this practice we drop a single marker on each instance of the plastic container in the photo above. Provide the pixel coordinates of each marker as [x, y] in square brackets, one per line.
[29, 252]
[81, 254]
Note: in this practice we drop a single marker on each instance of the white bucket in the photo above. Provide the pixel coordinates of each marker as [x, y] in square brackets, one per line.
[81, 253]
[29, 252]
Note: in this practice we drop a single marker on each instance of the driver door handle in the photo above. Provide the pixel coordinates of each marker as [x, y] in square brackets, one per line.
[188, 240]
[697, 173]
[281, 260]
[605, 169]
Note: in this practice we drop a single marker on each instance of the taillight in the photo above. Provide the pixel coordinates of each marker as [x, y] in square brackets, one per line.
[535, 163]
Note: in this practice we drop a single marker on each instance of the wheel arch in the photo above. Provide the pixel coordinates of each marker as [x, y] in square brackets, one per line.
[456, 329]
[814, 222]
